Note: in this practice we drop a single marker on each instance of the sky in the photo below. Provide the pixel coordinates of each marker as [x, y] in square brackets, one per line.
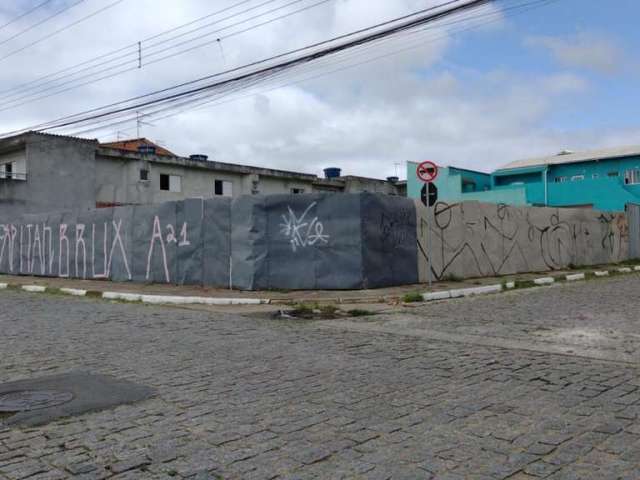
[476, 94]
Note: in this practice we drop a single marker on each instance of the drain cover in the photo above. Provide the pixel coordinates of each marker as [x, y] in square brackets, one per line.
[33, 402]
[26, 400]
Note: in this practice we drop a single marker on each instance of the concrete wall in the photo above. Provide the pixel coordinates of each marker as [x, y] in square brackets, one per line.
[278, 241]
[60, 175]
[475, 239]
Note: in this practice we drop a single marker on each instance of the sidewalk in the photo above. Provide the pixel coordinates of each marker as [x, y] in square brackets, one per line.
[389, 295]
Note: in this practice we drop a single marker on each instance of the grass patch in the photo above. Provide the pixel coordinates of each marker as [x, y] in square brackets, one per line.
[413, 297]
[357, 312]
[524, 284]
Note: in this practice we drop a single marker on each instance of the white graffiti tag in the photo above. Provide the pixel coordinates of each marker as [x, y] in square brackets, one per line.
[302, 232]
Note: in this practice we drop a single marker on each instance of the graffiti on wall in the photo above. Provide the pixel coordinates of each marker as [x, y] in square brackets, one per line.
[82, 250]
[302, 231]
[474, 240]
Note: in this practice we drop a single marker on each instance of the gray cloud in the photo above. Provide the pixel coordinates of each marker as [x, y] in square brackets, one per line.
[584, 50]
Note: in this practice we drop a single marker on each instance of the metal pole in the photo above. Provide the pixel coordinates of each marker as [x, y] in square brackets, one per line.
[429, 246]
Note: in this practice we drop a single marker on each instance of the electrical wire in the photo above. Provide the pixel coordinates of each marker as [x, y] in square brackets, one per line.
[22, 15]
[362, 36]
[205, 95]
[41, 22]
[492, 17]
[60, 30]
[13, 101]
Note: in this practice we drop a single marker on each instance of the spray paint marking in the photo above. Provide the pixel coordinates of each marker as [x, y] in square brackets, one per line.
[301, 232]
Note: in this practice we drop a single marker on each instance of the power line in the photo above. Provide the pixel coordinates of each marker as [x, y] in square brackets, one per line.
[60, 30]
[492, 16]
[41, 22]
[262, 68]
[16, 99]
[22, 15]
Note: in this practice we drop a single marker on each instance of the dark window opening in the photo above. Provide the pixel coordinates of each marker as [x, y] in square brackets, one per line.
[297, 191]
[217, 187]
[144, 174]
[8, 169]
[164, 181]
[612, 174]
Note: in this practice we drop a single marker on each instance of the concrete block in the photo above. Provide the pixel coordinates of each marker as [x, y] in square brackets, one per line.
[510, 285]
[624, 270]
[428, 297]
[129, 297]
[637, 268]
[3, 286]
[575, 277]
[77, 292]
[544, 281]
[602, 273]
[34, 288]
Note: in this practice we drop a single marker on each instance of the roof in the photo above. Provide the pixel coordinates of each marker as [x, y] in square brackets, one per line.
[575, 157]
[132, 145]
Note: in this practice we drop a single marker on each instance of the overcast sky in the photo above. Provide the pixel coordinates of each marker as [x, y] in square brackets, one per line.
[560, 77]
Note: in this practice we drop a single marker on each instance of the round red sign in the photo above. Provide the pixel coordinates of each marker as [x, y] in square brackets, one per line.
[427, 171]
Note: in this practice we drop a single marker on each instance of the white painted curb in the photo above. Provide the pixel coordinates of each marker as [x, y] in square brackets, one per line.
[625, 270]
[637, 268]
[181, 300]
[74, 291]
[461, 292]
[544, 281]
[575, 277]
[603, 273]
[34, 288]
[129, 297]
[428, 297]
[3, 286]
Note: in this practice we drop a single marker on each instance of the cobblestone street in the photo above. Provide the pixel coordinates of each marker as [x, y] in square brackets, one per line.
[251, 398]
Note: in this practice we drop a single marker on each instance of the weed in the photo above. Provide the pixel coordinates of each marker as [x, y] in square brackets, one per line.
[357, 312]
[413, 297]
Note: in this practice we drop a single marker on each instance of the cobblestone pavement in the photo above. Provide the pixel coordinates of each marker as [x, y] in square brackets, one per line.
[245, 398]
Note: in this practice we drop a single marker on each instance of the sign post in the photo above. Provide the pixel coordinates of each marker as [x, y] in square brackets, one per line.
[427, 173]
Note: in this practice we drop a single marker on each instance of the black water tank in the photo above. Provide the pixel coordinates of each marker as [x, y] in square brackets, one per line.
[198, 157]
[332, 172]
[393, 179]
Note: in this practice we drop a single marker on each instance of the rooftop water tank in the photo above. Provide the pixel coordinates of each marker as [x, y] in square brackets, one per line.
[393, 179]
[198, 157]
[332, 172]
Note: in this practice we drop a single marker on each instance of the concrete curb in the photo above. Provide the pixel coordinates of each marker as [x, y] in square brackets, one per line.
[192, 300]
[179, 300]
[76, 292]
[575, 277]
[34, 288]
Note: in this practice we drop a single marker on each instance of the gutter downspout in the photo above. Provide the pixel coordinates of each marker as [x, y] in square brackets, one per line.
[546, 187]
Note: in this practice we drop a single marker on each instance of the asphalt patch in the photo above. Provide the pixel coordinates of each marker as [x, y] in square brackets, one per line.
[35, 402]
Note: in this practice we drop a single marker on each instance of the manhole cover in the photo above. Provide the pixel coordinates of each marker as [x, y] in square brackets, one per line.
[26, 400]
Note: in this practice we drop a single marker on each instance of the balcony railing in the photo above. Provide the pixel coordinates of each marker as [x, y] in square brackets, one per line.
[12, 176]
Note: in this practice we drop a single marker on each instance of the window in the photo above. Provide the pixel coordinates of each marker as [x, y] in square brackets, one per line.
[144, 174]
[171, 183]
[223, 188]
[297, 191]
[632, 177]
[561, 179]
[577, 178]
[8, 169]
[612, 174]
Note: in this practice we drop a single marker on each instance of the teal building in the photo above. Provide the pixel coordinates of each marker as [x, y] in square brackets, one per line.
[600, 179]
